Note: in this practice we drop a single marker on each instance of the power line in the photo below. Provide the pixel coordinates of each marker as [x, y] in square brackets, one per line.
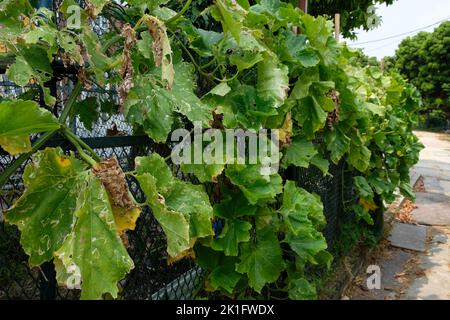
[401, 34]
[383, 46]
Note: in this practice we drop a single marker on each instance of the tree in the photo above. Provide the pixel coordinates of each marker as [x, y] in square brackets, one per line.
[423, 59]
[354, 13]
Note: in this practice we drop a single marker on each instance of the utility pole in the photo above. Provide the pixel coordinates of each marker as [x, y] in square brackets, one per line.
[303, 5]
[337, 26]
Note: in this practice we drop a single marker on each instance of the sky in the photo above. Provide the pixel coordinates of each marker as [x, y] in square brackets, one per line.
[401, 17]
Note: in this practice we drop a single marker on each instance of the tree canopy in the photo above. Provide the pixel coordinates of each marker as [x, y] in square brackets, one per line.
[423, 59]
[354, 13]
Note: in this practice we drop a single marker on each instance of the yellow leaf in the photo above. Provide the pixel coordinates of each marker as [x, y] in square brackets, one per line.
[189, 253]
[125, 218]
[285, 132]
[16, 144]
[368, 204]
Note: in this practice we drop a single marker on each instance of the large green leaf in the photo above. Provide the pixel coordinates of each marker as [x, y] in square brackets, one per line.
[153, 106]
[299, 153]
[301, 289]
[362, 187]
[230, 15]
[256, 187]
[44, 213]
[15, 129]
[262, 260]
[234, 232]
[338, 143]
[182, 209]
[359, 155]
[174, 224]
[310, 115]
[273, 80]
[148, 106]
[223, 274]
[32, 64]
[234, 205]
[94, 249]
[301, 210]
[307, 246]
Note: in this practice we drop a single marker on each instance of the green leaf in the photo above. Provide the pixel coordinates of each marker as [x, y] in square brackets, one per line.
[234, 232]
[88, 112]
[299, 153]
[153, 107]
[223, 274]
[307, 246]
[302, 211]
[310, 115]
[273, 80]
[221, 89]
[44, 212]
[407, 190]
[262, 260]
[32, 64]
[157, 167]
[321, 163]
[303, 84]
[148, 105]
[234, 205]
[359, 156]
[297, 50]
[229, 14]
[94, 248]
[15, 129]
[174, 224]
[42, 33]
[204, 172]
[338, 144]
[257, 188]
[362, 213]
[363, 188]
[193, 202]
[301, 289]
[182, 209]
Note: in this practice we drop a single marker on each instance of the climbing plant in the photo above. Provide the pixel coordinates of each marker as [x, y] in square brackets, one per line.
[265, 65]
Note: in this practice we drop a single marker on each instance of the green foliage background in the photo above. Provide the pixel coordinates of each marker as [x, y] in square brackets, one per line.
[423, 60]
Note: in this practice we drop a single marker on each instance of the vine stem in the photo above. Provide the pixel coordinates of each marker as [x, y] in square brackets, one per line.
[42, 139]
[80, 150]
[82, 144]
[70, 102]
[179, 14]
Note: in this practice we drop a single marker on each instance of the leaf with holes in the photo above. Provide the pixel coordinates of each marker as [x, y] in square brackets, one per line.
[93, 250]
[44, 213]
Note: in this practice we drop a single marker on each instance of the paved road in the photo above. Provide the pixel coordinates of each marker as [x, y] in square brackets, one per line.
[424, 272]
[433, 211]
